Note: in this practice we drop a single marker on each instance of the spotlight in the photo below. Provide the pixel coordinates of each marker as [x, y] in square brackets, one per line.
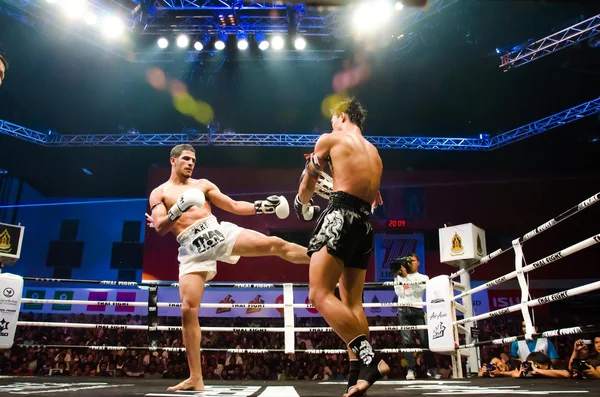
[372, 15]
[300, 43]
[219, 45]
[242, 44]
[263, 44]
[277, 42]
[198, 46]
[183, 41]
[73, 8]
[90, 19]
[113, 27]
[162, 43]
[398, 6]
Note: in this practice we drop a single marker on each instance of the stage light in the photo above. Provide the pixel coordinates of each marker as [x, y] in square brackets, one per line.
[277, 42]
[90, 19]
[198, 46]
[263, 44]
[183, 41]
[300, 43]
[73, 8]
[219, 45]
[162, 43]
[398, 6]
[242, 44]
[113, 27]
[372, 15]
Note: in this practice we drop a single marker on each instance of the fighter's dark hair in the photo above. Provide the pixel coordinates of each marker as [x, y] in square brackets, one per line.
[354, 109]
[4, 61]
[177, 150]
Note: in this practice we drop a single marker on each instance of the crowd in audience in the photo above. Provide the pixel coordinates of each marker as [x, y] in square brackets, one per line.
[74, 356]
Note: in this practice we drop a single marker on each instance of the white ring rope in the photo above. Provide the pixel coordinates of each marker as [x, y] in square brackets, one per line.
[538, 230]
[206, 329]
[547, 334]
[535, 265]
[216, 349]
[207, 305]
[535, 302]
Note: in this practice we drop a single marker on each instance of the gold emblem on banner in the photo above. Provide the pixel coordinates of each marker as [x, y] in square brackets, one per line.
[457, 246]
[227, 299]
[256, 301]
[479, 246]
[5, 241]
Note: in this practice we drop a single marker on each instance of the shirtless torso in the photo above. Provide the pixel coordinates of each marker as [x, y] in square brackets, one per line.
[355, 164]
[168, 193]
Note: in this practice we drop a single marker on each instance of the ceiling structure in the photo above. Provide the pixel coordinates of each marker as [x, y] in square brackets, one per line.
[460, 76]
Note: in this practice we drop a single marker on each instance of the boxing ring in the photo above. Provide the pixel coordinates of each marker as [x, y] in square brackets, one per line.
[459, 300]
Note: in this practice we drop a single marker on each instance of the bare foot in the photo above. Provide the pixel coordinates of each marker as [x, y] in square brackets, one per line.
[362, 385]
[189, 384]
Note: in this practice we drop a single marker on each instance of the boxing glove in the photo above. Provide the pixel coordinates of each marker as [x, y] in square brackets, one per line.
[277, 205]
[187, 199]
[306, 212]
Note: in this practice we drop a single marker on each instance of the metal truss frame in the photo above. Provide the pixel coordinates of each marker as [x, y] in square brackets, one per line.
[548, 45]
[537, 127]
[306, 140]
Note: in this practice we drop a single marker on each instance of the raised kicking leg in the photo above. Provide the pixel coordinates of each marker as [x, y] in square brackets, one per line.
[252, 244]
[191, 288]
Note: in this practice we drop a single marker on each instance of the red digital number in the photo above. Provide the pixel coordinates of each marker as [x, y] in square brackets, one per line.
[396, 223]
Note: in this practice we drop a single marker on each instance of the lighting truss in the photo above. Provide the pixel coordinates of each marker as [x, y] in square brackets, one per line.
[551, 44]
[302, 140]
[537, 127]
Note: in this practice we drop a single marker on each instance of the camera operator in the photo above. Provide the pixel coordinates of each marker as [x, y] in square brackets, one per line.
[498, 366]
[521, 349]
[538, 365]
[581, 364]
[405, 269]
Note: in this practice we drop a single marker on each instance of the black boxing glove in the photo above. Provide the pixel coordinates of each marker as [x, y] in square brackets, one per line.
[306, 212]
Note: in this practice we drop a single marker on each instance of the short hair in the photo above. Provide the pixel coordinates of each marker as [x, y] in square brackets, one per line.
[538, 358]
[414, 254]
[353, 108]
[177, 150]
[4, 61]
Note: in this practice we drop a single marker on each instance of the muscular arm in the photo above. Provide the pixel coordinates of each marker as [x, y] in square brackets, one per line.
[161, 221]
[307, 185]
[226, 203]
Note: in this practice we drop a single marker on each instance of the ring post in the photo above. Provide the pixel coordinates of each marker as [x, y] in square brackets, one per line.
[461, 246]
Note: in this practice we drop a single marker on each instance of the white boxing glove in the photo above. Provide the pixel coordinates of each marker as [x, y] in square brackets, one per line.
[277, 205]
[187, 199]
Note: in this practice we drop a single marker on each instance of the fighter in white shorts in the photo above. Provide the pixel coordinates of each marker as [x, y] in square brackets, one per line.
[182, 206]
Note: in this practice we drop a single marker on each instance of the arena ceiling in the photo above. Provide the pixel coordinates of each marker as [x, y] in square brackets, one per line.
[447, 82]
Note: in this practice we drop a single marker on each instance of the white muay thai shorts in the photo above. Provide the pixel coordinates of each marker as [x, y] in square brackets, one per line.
[204, 243]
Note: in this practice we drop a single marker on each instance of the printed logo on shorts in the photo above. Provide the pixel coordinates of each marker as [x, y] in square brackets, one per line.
[208, 240]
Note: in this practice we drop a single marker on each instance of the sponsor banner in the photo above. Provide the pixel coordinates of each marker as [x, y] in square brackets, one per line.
[503, 298]
[78, 294]
[125, 296]
[97, 296]
[254, 297]
[63, 295]
[34, 294]
[390, 246]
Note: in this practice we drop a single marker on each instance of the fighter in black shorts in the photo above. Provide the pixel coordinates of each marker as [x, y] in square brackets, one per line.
[345, 230]
[343, 238]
